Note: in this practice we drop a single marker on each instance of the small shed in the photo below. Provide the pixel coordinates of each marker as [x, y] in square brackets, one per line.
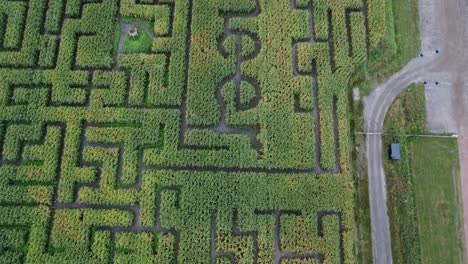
[394, 151]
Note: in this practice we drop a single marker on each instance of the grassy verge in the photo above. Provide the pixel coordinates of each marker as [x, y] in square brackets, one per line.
[401, 204]
[363, 227]
[406, 31]
[423, 196]
[407, 115]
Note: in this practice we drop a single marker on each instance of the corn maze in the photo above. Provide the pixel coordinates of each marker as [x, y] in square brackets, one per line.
[227, 143]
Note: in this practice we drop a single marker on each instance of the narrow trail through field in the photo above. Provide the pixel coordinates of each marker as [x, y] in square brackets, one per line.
[443, 30]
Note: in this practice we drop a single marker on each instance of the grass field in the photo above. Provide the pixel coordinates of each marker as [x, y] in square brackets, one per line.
[434, 164]
[424, 202]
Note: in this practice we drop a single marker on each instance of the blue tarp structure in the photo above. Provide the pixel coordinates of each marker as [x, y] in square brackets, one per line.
[395, 151]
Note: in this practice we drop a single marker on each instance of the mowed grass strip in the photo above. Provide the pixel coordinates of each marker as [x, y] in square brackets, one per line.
[437, 183]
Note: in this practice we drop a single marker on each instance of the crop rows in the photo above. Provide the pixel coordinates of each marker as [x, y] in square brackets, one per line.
[227, 143]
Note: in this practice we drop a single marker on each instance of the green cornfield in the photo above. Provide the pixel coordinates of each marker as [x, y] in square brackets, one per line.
[227, 142]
